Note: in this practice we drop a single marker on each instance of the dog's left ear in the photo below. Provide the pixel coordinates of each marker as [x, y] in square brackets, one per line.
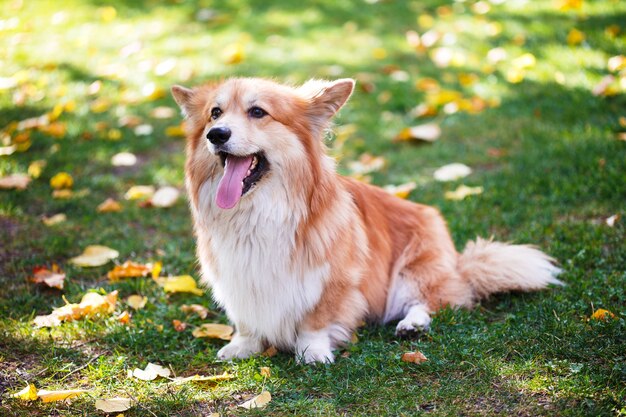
[182, 96]
[326, 97]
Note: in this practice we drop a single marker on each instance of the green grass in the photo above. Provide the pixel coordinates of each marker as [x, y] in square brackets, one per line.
[545, 152]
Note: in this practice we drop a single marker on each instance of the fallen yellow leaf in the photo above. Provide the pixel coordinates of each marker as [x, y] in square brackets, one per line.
[107, 14]
[463, 191]
[214, 331]
[124, 159]
[234, 53]
[62, 194]
[266, 372]
[402, 190]
[129, 269]
[139, 192]
[524, 61]
[124, 317]
[29, 393]
[367, 163]
[54, 219]
[452, 172]
[616, 63]
[136, 301]
[60, 395]
[565, 5]
[414, 357]
[429, 132]
[114, 405]
[602, 315]
[91, 304]
[156, 269]
[575, 37]
[165, 197]
[95, 255]
[62, 180]
[16, 181]
[108, 206]
[183, 283]
[151, 372]
[36, 167]
[260, 401]
[175, 131]
[201, 378]
[198, 309]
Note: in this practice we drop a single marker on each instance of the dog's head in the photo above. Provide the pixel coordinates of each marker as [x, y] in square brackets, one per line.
[259, 131]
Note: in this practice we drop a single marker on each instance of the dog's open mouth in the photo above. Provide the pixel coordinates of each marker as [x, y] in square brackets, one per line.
[241, 173]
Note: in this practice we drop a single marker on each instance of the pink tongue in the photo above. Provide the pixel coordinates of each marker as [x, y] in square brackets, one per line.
[231, 185]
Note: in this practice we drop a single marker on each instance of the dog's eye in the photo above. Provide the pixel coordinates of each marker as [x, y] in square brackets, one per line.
[216, 112]
[257, 112]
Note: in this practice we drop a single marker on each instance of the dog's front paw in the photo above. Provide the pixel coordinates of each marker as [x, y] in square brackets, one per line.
[315, 355]
[240, 348]
[314, 347]
[407, 329]
[417, 321]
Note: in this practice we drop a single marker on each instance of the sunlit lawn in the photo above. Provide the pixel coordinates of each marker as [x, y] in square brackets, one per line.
[522, 93]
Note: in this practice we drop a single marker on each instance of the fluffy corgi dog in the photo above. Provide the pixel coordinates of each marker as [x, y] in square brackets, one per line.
[298, 255]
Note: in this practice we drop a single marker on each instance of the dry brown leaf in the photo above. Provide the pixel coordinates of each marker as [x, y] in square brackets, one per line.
[198, 309]
[265, 372]
[114, 405]
[179, 326]
[270, 352]
[129, 269]
[95, 255]
[428, 132]
[53, 279]
[15, 181]
[214, 331]
[414, 357]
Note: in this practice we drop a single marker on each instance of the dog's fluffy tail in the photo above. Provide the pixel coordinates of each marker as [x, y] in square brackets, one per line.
[491, 267]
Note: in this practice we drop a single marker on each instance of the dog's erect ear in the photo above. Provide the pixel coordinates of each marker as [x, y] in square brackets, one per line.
[326, 97]
[183, 96]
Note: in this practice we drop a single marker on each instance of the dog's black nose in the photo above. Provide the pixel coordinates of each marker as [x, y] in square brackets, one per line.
[218, 135]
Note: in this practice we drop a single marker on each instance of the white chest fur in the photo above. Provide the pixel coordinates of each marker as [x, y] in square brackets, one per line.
[247, 254]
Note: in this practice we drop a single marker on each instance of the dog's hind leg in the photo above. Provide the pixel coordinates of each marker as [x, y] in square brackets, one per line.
[427, 280]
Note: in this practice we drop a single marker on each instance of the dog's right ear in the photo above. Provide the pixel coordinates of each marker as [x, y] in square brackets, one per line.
[183, 97]
[326, 98]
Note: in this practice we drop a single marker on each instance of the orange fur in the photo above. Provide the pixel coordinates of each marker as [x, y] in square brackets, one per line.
[368, 253]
